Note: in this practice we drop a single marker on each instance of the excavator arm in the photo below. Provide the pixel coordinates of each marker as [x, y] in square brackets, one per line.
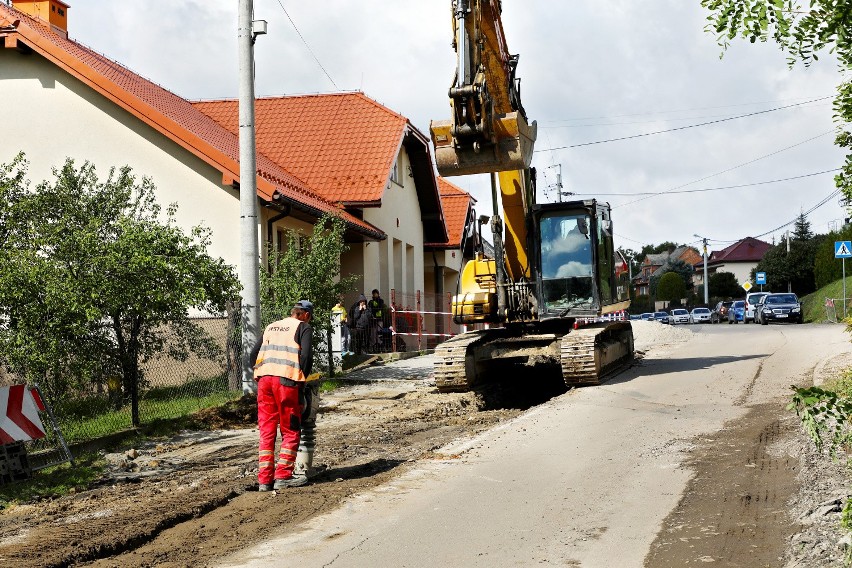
[488, 131]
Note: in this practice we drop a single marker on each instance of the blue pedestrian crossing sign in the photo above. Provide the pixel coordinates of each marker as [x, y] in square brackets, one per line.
[760, 278]
[842, 249]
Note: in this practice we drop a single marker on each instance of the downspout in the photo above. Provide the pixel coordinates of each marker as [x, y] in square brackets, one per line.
[286, 209]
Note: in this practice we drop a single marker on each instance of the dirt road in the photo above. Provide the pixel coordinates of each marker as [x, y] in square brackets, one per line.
[688, 457]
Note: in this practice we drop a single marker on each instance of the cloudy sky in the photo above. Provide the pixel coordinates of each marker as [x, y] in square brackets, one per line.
[591, 72]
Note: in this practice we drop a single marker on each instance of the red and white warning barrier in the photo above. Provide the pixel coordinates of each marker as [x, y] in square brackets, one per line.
[19, 419]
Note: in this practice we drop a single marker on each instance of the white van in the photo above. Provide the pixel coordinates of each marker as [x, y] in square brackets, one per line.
[751, 300]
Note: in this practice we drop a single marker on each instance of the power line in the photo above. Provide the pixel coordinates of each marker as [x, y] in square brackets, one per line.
[727, 170]
[645, 134]
[307, 46]
[650, 193]
[822, 202]
[655, 121]
[685, 110]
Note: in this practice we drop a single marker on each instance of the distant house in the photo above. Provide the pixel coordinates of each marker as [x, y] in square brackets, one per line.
[656, 264]
[739, 259]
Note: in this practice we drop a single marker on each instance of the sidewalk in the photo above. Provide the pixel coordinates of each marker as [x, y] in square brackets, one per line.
[412, 368]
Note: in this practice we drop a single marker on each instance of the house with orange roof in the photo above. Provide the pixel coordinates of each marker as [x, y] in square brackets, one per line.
[739, 258]
[343, 154]
[370, 161]
[447, 257]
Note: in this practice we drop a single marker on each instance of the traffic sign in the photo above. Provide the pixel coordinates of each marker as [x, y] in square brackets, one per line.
[842, 249]
[760, 277]
[747, 285]
[19, 420]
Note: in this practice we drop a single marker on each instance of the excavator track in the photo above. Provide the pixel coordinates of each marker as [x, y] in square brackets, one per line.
[454, 369]
[591, 354]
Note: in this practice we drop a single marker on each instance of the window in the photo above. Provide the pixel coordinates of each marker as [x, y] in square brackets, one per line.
[566, 262]
[395, 171]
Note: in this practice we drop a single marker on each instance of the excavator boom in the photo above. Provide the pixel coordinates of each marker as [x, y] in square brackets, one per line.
[489, 131]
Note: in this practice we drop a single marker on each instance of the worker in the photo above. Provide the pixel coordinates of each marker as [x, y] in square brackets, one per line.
[345, 336]
[284, 358]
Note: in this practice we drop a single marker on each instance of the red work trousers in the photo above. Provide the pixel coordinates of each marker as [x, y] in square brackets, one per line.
[278, 407]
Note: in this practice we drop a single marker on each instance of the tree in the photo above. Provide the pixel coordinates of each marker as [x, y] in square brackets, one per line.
[95, 278]
[825, 24]
[306, 269]
[671, 287]
[794, 268]
[802, 229]
[641, 304]
[682, 269]
[724, 285]
[827, 268]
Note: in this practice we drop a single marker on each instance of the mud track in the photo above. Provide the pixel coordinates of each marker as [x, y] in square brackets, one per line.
[187, 501]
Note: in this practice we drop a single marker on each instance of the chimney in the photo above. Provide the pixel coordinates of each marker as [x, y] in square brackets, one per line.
[53, 13]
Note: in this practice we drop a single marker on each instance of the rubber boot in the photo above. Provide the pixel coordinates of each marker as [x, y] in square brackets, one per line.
[307, 438]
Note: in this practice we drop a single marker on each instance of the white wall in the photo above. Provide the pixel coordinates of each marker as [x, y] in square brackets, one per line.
[742, 270]
[50, 115]
[387, 266]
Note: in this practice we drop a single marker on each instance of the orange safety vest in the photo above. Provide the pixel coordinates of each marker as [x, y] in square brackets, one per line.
[279, 353]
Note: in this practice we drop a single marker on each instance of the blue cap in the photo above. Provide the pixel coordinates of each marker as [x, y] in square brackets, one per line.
[305, 305]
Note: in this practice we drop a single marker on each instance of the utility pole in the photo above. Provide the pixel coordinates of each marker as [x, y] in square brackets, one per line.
[249, 247]
[706, 282]
[789, 283]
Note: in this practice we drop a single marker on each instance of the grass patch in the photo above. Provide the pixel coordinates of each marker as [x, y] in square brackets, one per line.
[329, 385]
[54, 481]
[813, 305]
[91, 418]
[841, 385]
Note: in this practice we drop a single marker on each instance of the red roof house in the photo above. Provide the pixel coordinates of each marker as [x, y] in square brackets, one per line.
[343, 154]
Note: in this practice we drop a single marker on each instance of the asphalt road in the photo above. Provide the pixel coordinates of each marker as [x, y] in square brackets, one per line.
[583, 480]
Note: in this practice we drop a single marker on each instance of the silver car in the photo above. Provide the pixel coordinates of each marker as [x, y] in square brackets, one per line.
[699, 315]
[679, 315]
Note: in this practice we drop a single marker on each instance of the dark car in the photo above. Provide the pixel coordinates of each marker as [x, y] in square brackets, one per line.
[661, 317]
[779, 307]
[720, 312]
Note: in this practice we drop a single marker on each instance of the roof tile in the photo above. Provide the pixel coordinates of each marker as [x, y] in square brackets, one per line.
[343, 144]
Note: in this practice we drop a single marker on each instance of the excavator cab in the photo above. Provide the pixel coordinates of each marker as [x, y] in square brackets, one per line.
[574, 259]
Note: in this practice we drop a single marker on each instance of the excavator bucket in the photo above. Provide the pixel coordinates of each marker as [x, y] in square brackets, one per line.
[513, 150]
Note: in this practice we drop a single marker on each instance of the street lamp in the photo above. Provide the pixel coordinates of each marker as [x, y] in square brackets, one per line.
[706, 283]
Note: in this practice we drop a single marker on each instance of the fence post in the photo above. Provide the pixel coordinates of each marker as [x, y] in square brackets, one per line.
[393, 319]
[448, 307]
[419, 323]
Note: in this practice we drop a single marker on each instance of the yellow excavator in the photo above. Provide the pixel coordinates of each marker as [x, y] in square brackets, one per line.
[552, 292]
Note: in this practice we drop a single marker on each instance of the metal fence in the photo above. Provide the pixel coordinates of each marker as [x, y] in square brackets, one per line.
[170, 388]
[422, 320]
[835, 311]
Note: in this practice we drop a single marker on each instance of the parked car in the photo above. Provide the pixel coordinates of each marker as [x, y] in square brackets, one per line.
[647, 316]
[720, 312]
[751, 300]
[736, 313]
[679, 315]
[700, 315]
[661, 317]
[780, 307]
[635, 316]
